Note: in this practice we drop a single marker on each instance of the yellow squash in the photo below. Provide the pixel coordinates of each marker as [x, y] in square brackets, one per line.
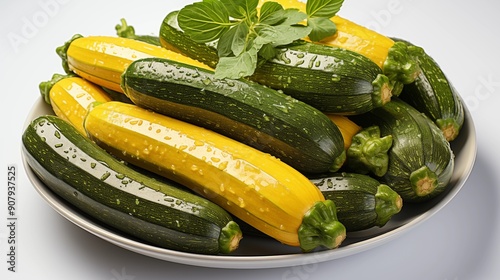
[350, 35]
[102, 59]
[71, 97]
[254, 186]
[347, 128]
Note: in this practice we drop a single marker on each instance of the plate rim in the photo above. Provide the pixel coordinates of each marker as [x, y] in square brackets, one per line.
[242, 261]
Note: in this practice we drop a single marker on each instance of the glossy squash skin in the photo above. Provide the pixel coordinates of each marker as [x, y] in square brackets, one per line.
[103, 59]
[331, 79]
[71, 97]
[156, 212]
[421, 161]
[258, 116]
[392, 57]
[254, 186]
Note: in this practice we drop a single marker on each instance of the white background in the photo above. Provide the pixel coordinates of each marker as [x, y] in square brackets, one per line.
[459, 242]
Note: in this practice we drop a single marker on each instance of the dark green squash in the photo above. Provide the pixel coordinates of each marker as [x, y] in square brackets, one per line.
[362, 201]
[333, 80]
[433, 94]
[159, 213]
[266, 119]
[421, 161]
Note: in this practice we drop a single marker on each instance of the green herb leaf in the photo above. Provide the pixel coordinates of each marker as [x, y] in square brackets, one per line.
[321, 28]
[204, 21]
[245, 38]
[240, 9]
[291, 16]
[234, 41]
[284, 34]
[240, 38]
[224, 45]
[281, 27]
[267, 13]
[323, 8]
[235, 67]
[268, 52]
[319, 13]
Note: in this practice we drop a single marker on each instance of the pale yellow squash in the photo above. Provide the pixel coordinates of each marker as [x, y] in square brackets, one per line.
[102, 59]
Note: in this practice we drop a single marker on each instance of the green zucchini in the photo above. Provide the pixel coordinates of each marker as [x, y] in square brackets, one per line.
[421, 161]
[258, 116]
[362, 201]
[333, 80]
[433, 94]
[156, 212]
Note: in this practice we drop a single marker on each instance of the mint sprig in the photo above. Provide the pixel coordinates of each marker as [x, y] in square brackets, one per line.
[244, 36]
[319, 13]
[204, 21]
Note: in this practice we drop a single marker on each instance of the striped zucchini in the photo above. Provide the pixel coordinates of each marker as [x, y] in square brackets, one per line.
[258, 116]
[71, 97]
[421, 161]
[433, 94]
[96, 183]
[392, 57]
[333, 80]
[253, 186]
[103, 59]
[362, 201]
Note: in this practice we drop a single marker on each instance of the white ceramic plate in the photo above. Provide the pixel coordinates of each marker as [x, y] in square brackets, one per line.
[255, 252]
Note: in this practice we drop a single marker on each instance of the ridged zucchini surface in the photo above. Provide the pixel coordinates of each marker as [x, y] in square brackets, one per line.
[297, 133]
[159, 213]
[434, 94]
[334, 80]
[421, 161]
[362, 201]
[251, 185]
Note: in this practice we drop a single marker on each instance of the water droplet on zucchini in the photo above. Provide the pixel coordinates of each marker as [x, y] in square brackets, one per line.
[105, 175]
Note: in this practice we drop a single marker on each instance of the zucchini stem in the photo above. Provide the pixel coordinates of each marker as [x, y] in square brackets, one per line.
[124, 30]
[46, 86]
[449, 127]
[128, 31]
[62, 52]
[387, 203]
[382, 91]
[230, 237]
[423, 181]
[321, 227]
[401, 66]
[369, 152]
